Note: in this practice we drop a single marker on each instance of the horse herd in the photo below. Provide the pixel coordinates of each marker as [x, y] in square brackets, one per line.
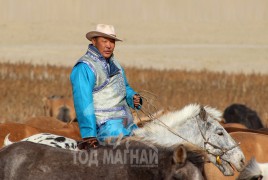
[191, 143]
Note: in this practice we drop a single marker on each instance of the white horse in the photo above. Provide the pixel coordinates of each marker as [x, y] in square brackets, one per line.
[193, 124]
[196, 125]
[254, 170]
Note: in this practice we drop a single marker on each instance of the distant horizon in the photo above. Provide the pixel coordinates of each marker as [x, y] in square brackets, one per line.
[216, 35]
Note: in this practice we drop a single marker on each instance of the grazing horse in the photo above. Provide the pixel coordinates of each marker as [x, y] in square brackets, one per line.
[200, 126]
[132, 160]
[239, 113]
[254, 170]
[59, 107]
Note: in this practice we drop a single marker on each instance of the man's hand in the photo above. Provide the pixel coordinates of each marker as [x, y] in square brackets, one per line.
[88, 143]
[137, 100]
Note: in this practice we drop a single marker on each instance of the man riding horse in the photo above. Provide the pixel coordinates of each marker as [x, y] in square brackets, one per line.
[101, 93]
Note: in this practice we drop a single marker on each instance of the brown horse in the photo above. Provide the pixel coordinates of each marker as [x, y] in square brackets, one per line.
[235, 129]
[59, 107]
[38, 125]
[45, 122]
[17, 131]
[234, 125]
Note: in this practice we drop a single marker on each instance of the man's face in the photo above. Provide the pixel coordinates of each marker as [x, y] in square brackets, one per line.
[104, 45]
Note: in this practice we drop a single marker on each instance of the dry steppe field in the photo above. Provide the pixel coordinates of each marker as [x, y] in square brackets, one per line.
[23, 87]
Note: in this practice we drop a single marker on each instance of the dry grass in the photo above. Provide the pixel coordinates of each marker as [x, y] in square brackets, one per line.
[24, 85]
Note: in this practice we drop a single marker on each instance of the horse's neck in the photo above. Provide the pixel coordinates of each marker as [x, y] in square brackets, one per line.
[186, 132]
[191, 132]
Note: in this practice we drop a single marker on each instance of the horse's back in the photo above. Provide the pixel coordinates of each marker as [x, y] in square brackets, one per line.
[27, 160]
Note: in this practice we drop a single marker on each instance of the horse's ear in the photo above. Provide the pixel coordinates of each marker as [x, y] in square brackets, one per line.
[203, 113]
[180, 155]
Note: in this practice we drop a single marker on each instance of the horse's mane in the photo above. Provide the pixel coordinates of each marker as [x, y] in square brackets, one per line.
[251, 170]
[156, 133]
[195, 154]
[181, 116]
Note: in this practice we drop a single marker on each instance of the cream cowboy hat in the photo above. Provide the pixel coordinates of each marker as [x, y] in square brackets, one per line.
[103, 30]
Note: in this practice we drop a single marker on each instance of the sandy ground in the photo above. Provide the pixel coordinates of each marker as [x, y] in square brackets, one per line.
[246, 58]
[216, 35]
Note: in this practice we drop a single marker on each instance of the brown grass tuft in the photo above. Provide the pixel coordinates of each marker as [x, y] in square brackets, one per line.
[24, 85]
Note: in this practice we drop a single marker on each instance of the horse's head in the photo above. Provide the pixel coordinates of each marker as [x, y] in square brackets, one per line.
[187, 163]
[222, 150]
[59, 107]
[199, 126]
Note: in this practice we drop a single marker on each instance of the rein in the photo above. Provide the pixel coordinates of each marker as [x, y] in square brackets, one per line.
[206, 141]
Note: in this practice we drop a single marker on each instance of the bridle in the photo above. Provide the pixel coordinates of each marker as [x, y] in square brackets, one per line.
[203, 115]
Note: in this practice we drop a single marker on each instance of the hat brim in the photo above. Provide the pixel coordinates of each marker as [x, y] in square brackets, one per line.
[93, 34]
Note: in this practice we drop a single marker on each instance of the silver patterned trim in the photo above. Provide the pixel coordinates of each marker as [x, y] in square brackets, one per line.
[101, 86]
[96, 57]
[102, 122]
[119, 108]
[89, 65]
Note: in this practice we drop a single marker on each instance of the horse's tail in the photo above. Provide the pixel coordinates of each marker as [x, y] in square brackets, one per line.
[251, 171]
[7, 141]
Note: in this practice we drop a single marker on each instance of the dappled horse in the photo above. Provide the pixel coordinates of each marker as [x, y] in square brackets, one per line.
[129, 160]
[200, 126]
[59, 107]
[49, 140]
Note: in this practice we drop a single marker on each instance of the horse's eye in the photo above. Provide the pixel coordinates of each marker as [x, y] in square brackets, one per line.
[220, 133]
